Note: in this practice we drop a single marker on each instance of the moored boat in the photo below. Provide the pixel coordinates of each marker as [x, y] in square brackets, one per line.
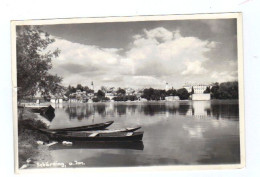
[99, 126]
[81, 136]
[36, 108]
[95, 131]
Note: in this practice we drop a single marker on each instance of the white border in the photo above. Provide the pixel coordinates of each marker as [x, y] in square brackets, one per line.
[238, 16]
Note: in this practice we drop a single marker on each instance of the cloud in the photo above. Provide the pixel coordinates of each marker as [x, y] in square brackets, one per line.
[224, 76]
[194, 67]
[153, 57]
[159, 34]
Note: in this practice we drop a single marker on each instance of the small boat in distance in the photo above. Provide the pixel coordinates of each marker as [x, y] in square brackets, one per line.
[81, 136]
[99, 126]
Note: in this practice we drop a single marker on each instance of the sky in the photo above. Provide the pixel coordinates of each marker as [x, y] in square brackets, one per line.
[145, 54]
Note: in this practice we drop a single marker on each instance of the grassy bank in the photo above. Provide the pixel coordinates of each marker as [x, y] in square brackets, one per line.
[28, 137]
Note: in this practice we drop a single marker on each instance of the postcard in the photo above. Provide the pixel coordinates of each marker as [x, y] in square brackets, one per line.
[150, 92]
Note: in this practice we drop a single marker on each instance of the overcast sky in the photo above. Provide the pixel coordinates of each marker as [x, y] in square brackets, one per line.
[145, 54]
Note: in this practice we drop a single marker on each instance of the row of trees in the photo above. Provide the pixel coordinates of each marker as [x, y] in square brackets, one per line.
[225, 90]
[158, 94]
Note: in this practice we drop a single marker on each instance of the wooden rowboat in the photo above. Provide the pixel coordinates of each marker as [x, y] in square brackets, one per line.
[81, 136]
[99, 126]
[94, 131]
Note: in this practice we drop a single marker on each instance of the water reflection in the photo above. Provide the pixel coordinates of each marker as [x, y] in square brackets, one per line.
[185, 132]
[196, 109]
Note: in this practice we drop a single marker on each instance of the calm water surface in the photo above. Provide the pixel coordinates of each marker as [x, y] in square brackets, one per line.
[175, 133]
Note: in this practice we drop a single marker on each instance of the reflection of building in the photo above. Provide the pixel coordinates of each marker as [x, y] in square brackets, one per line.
[200, 96]
[199, 109]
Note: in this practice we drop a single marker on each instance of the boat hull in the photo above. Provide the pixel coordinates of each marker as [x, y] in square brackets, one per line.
[94, 131]
[133, 145]
[136, 136]
[82, 128]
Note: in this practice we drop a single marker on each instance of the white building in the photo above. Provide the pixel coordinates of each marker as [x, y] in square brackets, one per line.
[109, 95]
[129, 91]
[198, 91]
[198, 88]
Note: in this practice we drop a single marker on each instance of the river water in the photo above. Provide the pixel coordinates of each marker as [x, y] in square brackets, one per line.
[175, 133]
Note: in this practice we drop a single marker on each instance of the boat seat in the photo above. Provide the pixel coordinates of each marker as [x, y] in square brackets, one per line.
[93, 135]
[129, 134]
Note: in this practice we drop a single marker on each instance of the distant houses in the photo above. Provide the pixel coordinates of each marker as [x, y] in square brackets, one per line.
[80, 96]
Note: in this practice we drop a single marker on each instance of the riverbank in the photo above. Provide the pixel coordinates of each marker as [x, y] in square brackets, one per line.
[29, 151]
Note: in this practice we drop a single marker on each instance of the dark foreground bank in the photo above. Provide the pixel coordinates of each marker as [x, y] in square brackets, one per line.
[28, 148]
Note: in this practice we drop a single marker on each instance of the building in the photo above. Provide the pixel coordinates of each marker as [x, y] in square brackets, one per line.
[197, 88]
[198, 91]
[110, 95]
[79, 96]
[129, 91]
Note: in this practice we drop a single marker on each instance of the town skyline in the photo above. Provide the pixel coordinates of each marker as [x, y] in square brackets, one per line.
[145, 54]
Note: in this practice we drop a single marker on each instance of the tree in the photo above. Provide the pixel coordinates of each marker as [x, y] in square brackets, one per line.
[215, 91]
[34, 62]
[88, 90]
[183, 94]
[120, 91]
[228, 90]
[147, 93]
[103, 89]
[80, 87]
[207, 90]
[192, 90]
[171, 92]
[100, 94]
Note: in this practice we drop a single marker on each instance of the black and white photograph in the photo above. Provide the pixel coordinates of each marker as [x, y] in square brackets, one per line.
[151, 91]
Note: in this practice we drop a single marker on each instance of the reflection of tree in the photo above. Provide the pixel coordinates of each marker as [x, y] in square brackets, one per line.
[121, 109]
[183, 109]
[225, 110]
[197, 109]
[131, 109]
[101, 109]
[219, 109]
[152, 109]
[77, 113]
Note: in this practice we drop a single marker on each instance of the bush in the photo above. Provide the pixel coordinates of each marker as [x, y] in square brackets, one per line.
[183, 94]
[125, 98]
